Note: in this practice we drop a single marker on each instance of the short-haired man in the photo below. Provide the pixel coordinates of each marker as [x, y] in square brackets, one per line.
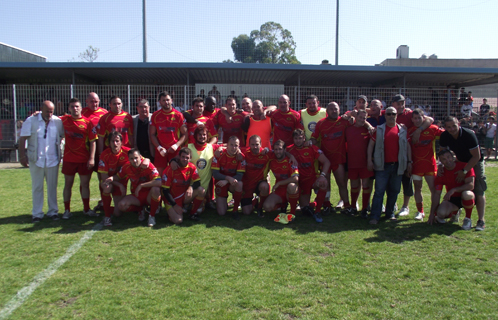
[258, 123]
[463, 142]
[166, 133]
[181, 187]
[145, 186]
[227, 171]
[231, 122]
[115, 120]
[141, 123]
[458, 194]
[195, 118]
[79, 156]
[424, 162]
[211, 111]
[374, 113]
[484, 109]
[309, 158]
[285, 121]
[311, 115]
[286, 188]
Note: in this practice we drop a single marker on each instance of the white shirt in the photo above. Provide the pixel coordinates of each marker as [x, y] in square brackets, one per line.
[47, 147]
[466, 110]
[491, 130]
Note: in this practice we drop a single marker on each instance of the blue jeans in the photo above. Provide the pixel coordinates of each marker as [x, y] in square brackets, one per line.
[383, 179]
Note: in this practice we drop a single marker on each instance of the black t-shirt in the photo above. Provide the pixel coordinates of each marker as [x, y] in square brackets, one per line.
[143, 137]
[461, 146]
[484, 108]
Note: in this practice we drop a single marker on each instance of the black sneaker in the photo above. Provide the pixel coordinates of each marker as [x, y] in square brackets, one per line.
[236, 215]
[307, 211]
[195, 217]
[54, 217]
[99, 206]
[36, 219]
[260, 213]
[326, 211]
[364, 214]
[283, 208]
[348, 211]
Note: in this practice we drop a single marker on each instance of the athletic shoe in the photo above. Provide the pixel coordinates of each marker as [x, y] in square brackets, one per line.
[420, 216]
[364, 214]
[231, 202]
[107, 222]
[67, 214]
[467, 224]
[141, 215]
[384, 208]
[152, 221]
[404, 211]
[373, 221]
[307, 211]
[260, 213]
[236, 215]
[347, 211]
[199, 211]
[317, 217]
[99, 206]
[211, 205]
[456, 217]
[340, 204]
[326, 211]
[54, 217]
[195, 217]
[440, 220]
[36, 219]
[480, 225]
[91, 213]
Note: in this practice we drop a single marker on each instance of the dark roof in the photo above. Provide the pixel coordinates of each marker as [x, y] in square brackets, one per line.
[251, 73]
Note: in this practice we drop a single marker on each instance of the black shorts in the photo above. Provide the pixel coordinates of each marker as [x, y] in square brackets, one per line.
[457, 201]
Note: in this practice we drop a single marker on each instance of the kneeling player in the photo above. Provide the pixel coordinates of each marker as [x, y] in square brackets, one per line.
[458, 194]
[181, 186]
[227, 172]
[286, 183]
[145, 186]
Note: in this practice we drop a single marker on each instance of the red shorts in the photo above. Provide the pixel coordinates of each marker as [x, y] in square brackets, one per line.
[163, 162]
[71, 168]
[359, 173]
[306, 185]
[179, 201]
[116, 191]
[424, 168]
[96, 166]
[142, 196]
[221, 191]
[282, 193]
[251, 187]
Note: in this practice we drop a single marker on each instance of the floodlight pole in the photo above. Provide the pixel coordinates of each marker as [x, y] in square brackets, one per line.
[144, 22]
[336, 33]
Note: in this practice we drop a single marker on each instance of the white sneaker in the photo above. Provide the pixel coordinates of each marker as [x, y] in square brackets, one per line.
[141, 215]
[340, 204]
[67, 214]
[404, 212]
[107, 222]
[467, 224]
[456, 217]
[91, 213]
[440, 220]
[419, 216]
[152, 221]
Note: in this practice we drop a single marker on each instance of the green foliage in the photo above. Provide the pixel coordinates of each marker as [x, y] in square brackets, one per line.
[90, 54]
[270, 44]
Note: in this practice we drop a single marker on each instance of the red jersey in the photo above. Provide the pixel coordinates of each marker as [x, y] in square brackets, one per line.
[138, 175]
[332, 138]
[449, 178]
[110, 163]
[93, 115]
[284, 123]
[424, 161]
[167, 126]
[78, 133]
[307, 158]
[179, 180]
[213, 116]
[123, 123]
[282, 169]
[357, 139]
[192, 126]
[228, 165]
[233, 128]
[255, 166]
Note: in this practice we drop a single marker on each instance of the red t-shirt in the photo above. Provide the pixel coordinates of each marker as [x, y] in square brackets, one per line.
[93, 115]
[111, 163]
[228, 165]
[78, 133]
[233, 128]
[255, 166]
[167, 126]
[212, 115]
[424, 161]
[357, 139]
[449, 178]
[109, 122]
[138, 175]
[332, 138]
[179, 180]
[284, 123]
[307, 158]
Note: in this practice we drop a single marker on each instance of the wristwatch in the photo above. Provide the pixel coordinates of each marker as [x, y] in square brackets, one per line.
[464, 171]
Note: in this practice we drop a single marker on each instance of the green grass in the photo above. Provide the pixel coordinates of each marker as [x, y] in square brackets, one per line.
[248, 269]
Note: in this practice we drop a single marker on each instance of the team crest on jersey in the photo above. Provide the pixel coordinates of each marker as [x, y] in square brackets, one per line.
[121, 158]
[201, 164]
[234, 161]
[306, 154]
[312, 126]
[284, 167]
[288, 119]
[125, 119]
[425, 132]
[81, 126]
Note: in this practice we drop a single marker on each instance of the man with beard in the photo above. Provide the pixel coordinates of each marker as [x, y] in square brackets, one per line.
[231, 122]
[258, 123]
[116, 120]
[195, 118]
[311, 115]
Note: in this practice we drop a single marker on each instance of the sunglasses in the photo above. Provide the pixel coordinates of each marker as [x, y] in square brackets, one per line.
[391, 114]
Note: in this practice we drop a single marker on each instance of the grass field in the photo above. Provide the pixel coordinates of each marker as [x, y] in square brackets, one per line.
[253, 268]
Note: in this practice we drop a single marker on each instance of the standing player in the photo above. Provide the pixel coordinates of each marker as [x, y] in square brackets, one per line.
[311, 115]
[165, 131]
[308, 158]
[79, 156]
[227, 172]
[231, 123]
[286, 183]
[458, 194]
[424, 162]
[181, 187]
[210, 110]
[116, 120]
[258, 123]
[285, 121]
[357, 138]
[195, 118]
[145, 186]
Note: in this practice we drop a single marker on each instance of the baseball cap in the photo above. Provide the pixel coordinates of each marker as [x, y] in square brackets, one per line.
[398, 97]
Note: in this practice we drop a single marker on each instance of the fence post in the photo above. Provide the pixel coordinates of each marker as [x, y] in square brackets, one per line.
[72, 94]
[129, 99]
[14, 105]
[448, 102]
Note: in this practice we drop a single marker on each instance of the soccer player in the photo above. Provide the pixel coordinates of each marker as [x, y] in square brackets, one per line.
[231, 123]
[181, 187]
[254, 179]
[166, 133]
[311, 115]
[258, 123]
[308, 158]
[357, 138]
[227, 171]
[145, 186]
[79, 156]
[424, 162]
[115, 120]
[195, 118]
[285, 121]
[458, 194]
[286, 186]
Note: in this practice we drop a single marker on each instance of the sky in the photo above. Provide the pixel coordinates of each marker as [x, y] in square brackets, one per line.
[202, 31]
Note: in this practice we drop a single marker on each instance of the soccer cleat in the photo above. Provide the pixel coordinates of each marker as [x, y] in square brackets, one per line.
[107, 222]
[404, 211]
[67, 214]
[440, 220]
[307, 211]
[141, 215]
[260, 213]
[91, 213]
[36, 219]
[420, 216]
[230, 203]
[340, 204]
[54, 217]
[455, 218]
[467, 224]
[99, 206]
[152, 221]
[317, 217]
[326, 211]
[364, 214]
[480, 225]
[195, 217]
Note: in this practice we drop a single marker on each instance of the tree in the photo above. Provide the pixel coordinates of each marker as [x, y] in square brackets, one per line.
[270, 44]
[90, 54]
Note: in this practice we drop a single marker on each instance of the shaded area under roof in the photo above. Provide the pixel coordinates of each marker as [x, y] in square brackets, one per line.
[249, 73]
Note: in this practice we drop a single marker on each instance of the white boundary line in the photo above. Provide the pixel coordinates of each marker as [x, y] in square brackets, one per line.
[23, 294]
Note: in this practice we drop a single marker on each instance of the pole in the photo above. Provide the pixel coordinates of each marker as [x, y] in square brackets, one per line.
[337, 33]
[144, 23]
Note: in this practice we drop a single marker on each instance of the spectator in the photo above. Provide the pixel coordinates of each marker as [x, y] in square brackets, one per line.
[490, 131]
[484, 109]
